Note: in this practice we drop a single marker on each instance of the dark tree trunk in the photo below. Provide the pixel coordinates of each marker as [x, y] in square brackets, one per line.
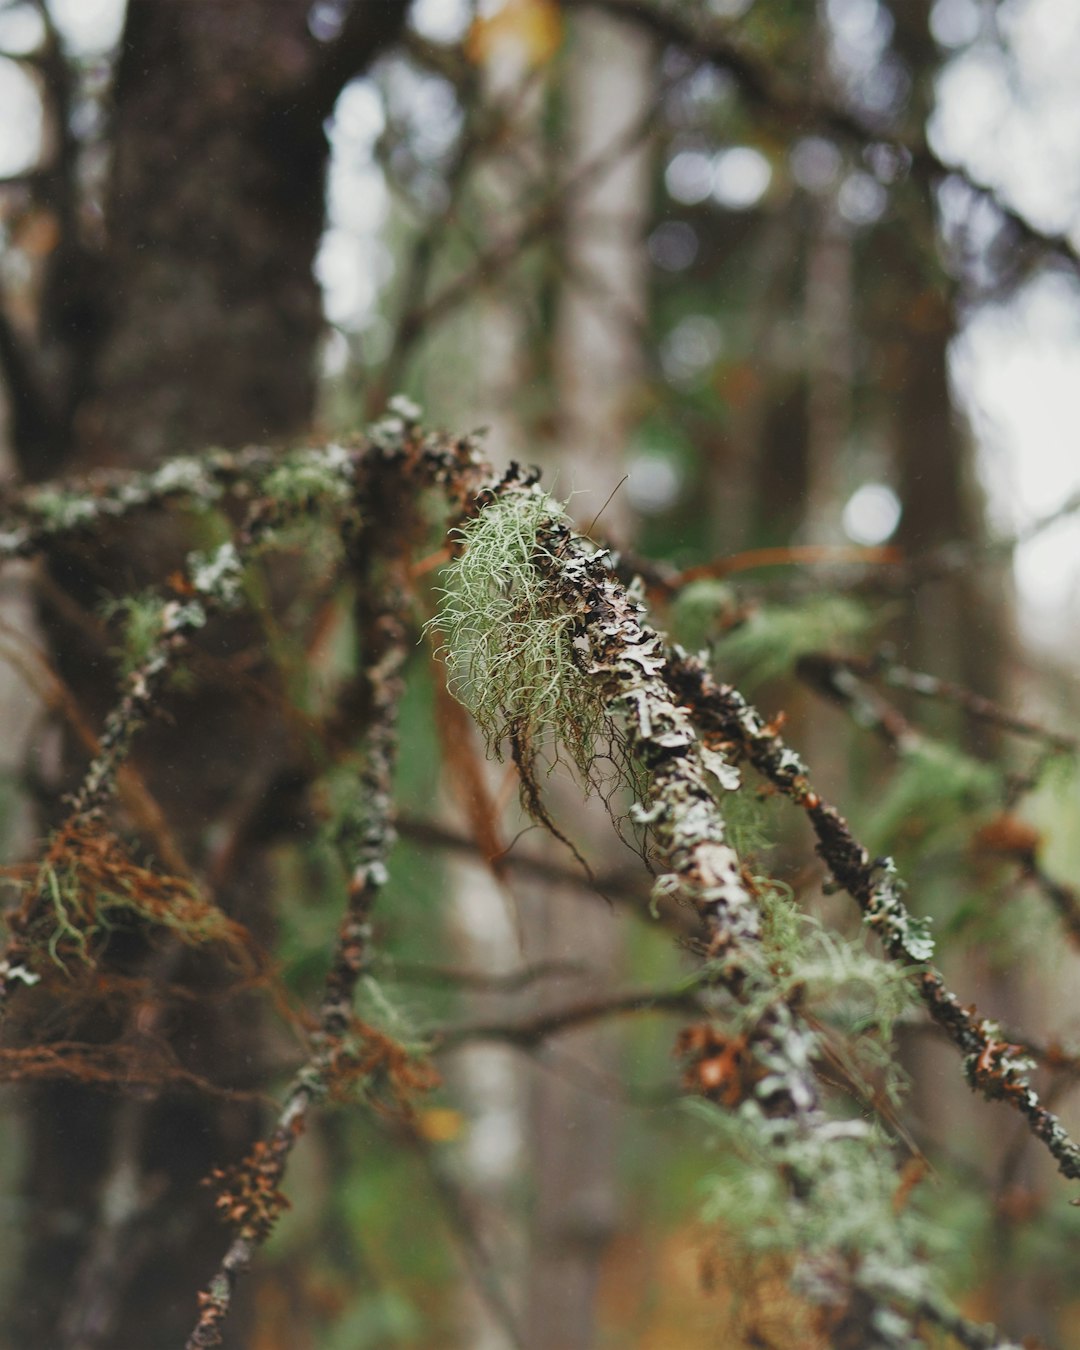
[196, 325]
[215, 209]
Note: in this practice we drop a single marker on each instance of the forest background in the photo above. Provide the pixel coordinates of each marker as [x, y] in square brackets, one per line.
[783, 299]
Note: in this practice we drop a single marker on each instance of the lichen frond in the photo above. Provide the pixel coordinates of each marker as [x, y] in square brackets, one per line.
[508, 638]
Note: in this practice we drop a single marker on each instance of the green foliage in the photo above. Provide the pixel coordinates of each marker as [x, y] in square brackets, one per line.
[935, 791]
[771, 640]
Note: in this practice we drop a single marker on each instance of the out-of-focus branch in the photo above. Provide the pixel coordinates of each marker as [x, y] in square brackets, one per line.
[512, 982]
[788, 110]
[498, 257]
[882, 666]
[530, 1032]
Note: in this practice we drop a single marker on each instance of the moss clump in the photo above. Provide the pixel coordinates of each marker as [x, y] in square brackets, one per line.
[508, 635]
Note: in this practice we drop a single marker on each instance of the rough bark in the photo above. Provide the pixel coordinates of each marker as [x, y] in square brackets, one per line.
[195, 324]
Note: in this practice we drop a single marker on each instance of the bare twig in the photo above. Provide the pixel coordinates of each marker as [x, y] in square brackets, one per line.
[530, 1032]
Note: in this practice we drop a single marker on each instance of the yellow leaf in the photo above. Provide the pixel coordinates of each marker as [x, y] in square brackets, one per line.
[440, 1124]
[520, 34]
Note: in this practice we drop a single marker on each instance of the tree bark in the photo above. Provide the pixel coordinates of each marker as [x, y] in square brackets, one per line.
[198, 324]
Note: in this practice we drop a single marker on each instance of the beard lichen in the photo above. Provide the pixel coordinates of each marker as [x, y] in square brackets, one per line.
[509, 637]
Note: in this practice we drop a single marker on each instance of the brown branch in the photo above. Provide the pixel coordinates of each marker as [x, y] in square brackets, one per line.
[530, 1032]
[993, 1065]
[512, 982]
[926, 686]
[1065, 899]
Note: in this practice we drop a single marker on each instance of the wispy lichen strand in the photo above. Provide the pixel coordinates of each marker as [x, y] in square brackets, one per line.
[508, 641]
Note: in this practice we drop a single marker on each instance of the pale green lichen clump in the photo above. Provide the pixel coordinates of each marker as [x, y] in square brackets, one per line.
[508, 636]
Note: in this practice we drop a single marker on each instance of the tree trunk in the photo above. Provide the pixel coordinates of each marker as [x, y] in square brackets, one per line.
[597, 358]
[198, 326]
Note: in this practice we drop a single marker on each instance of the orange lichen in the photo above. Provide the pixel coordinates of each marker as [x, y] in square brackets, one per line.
[719, 1066]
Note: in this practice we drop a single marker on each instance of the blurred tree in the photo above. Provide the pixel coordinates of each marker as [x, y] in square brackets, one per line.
[758, 327]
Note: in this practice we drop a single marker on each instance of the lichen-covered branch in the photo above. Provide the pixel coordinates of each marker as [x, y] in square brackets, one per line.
[33, 518]
[540, 634]
[251, 1197]
[344, 1050]
[993, 1066]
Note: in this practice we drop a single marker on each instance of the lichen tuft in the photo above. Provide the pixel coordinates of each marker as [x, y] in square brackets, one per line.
[508, 636]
